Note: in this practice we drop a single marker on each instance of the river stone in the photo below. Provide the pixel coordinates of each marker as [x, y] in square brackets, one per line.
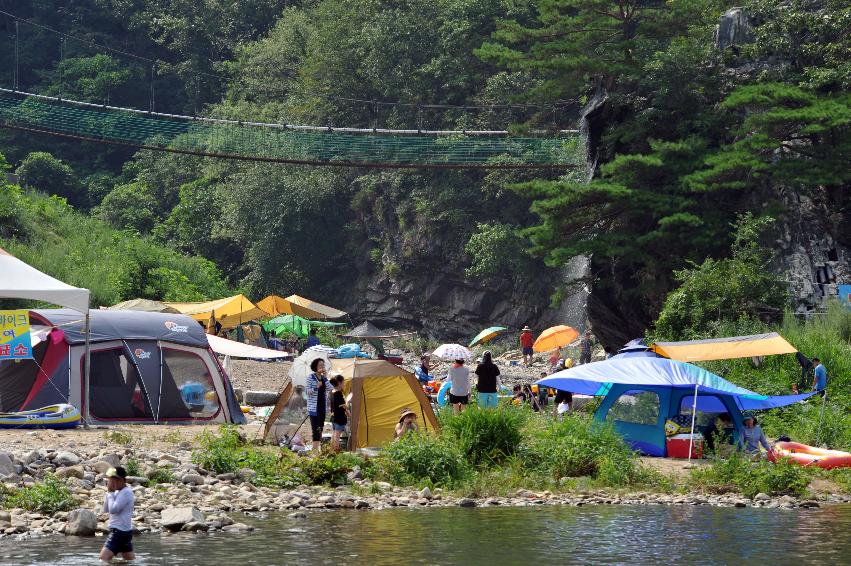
[112, 459]
[467, 502]
[246, 474]
[137, 480]
[425, 493]
[260, 398]
[195, 526]
[298, 515]
[7, 466]
[238, 527]
[762, 497]
[66, 458]
[192, 479]
[173, 518]
[71, 472]
[81, 522]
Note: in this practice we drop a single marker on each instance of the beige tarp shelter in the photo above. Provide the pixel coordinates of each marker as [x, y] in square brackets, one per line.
[725, 348]
[230, 312]
[275, 306]
[323, 311]
[144, 305]
[379, 391]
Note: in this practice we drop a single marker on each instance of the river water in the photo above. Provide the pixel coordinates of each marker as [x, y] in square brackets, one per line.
[525, 535]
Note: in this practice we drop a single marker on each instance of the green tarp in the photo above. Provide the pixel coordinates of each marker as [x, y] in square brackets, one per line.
[295, 325]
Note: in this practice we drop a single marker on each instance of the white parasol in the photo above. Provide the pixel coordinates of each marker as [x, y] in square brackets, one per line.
[452, 352]
[301, 365]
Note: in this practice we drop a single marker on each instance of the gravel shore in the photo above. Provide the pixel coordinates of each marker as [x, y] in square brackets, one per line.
[199, 501]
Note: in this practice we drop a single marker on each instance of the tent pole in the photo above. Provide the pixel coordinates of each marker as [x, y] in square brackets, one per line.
[693, 416]
[88, 356]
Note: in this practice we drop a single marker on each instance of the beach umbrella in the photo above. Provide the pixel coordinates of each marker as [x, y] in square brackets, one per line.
[452, 352]
[555, 337]
[301, 365]
[487, 335]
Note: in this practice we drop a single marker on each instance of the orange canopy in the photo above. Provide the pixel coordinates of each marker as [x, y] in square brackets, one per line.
[767, 344]
[555, 337]
[299, 306]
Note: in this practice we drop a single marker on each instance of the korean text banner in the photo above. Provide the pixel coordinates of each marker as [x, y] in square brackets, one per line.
[15, 341]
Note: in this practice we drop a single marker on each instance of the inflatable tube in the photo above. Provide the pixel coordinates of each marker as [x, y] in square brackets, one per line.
[805, 455]
[53, 416]
[443, 394]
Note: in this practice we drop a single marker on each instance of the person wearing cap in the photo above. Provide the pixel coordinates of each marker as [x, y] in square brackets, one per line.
[752, 436]
[118, 502]
[488, 383]
[586, 347]
[526, 343]
[407, 423]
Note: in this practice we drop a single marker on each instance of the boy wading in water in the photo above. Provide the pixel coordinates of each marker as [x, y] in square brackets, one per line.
[118, 502]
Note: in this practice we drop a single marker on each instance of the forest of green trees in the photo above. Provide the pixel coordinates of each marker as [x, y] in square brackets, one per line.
[683, 136]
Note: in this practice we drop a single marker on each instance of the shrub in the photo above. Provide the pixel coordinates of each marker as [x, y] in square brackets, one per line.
[579, 446]
[118, 437]
[48, 497]
[420, 457]
[332, 468]
[227, 452]
[161, 475]
[739, 473]
[487, 436]
[132, 467]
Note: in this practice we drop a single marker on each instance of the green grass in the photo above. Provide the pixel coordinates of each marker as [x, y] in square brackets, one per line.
[49, 496]
[739, 474]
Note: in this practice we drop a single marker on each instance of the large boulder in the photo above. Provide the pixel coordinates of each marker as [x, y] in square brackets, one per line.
[173, 518]
[7, 466]
[65, 458]
[81, 522]
[71, 472]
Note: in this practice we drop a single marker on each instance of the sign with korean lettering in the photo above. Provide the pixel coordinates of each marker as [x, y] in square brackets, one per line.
[15, 343]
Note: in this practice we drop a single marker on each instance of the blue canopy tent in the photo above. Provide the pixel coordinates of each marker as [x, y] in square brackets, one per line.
[641, 391]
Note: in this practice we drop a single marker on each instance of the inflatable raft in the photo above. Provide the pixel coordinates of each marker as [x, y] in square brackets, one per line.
[53, 416]
[805, 455]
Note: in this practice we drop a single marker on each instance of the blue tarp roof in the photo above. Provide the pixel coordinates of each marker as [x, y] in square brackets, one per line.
[597, 378]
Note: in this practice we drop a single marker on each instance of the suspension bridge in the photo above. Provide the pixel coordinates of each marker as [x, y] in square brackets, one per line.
[271, 142]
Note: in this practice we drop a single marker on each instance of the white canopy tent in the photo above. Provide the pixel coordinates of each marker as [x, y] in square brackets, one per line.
[236, 349]
[19, 280]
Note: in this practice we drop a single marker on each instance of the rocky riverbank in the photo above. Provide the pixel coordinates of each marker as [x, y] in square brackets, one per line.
[174, 494]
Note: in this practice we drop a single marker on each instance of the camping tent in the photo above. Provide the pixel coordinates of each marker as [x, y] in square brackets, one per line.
[145, 305]
[19, 280]
[299, 306]
[379, 391]
[373, 335]
[230, 312]
[641, 391]
[145, 368]
[725, 348]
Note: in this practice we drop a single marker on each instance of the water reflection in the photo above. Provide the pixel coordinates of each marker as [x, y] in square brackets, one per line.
[554, 535]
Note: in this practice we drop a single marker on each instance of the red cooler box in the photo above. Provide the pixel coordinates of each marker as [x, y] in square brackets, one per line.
[678, 444]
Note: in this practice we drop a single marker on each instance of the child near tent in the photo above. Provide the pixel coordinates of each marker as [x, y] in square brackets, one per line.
[407, 423]
[339, 411]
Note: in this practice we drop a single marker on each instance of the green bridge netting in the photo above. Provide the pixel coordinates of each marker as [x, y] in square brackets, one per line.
[285, 144]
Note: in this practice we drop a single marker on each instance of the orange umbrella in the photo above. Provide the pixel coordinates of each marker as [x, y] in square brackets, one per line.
[555, 337]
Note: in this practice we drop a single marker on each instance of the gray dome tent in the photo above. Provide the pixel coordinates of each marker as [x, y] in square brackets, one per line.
[145, 368]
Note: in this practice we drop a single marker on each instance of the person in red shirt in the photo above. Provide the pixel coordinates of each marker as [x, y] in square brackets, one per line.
[526, 341]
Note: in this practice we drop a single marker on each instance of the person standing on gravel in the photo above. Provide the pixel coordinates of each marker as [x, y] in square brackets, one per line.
[587, 347]
[317, 385]
[526, 343]
[118, 502]
[459, 392]
[488, 383]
